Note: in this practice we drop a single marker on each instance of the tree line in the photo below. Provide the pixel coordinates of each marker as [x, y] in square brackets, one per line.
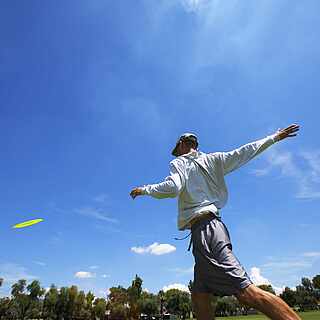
[31, 301]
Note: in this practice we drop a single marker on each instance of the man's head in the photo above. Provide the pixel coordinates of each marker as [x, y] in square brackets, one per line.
[185, 143]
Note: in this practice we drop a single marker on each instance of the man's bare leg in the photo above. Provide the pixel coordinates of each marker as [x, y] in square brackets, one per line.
[202, 304]
[269, 304]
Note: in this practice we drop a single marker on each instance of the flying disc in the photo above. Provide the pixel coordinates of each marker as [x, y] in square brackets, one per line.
[27, 223]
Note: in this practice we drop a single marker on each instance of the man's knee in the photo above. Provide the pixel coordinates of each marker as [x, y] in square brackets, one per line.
[250, 294]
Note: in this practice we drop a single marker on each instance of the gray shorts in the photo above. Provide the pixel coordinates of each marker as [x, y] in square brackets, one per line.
[216, 270]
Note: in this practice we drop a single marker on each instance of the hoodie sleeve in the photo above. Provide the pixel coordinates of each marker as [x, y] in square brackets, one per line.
[236, 158]
[170, 187]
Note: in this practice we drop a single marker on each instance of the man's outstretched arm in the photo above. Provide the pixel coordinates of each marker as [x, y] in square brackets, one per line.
[169, 188]
[238, 157]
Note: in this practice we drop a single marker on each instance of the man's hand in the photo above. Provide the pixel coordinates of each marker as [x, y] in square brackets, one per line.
[136, 192]
[287, 132]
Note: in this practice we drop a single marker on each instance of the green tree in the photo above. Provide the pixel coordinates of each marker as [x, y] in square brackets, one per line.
[160, 299]
[305, 298]
[35, 293]
[89, 305]
[50, 304]
[221, 308]
[289, 296]
[307, 284]
[20, 302]
[4, 308]
[18, 288]
[134, 295]
[62, 303]
[118, 303]
[99, 308]
[178, 302]
[72, 295]
[316, 281]
[267, 287]
[80, 311]
[149, 307]
[227, 306]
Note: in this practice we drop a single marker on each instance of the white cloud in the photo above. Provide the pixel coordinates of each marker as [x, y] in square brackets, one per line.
[155, 248]
[258, 280]
[105, 276]
[178, 286]
[146, 290]
[84, 275]
[278, 290]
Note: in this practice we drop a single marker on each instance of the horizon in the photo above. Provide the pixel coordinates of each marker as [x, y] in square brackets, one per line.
[94, 96]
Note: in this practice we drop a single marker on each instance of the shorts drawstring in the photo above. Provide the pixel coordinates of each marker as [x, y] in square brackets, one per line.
[186, 238]
[190, 243]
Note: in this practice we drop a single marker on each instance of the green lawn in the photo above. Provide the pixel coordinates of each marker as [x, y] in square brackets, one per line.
[313, 315]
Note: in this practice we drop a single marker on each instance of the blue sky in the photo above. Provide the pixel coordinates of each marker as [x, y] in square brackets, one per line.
[94, 95]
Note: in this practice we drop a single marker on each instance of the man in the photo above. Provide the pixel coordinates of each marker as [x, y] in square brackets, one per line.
[197, 179]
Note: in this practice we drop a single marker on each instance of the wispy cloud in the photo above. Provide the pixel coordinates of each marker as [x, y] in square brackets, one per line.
[295, 264]
[56, 239]
[298, 262]
[96, 213]
[303, 168]
[94, 267]
[101, 198]
[155, 249]
[12, 272]
[193, 5]
[84, 275]
[312, 254]
[182, 271]
[40, 263]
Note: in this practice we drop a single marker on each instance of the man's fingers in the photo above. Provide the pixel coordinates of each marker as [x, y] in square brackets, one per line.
[292, 127]
[289, 131]
[295, 128]
[135, 192]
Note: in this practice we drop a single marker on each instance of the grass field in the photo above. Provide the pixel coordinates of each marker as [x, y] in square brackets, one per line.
[313, 315]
